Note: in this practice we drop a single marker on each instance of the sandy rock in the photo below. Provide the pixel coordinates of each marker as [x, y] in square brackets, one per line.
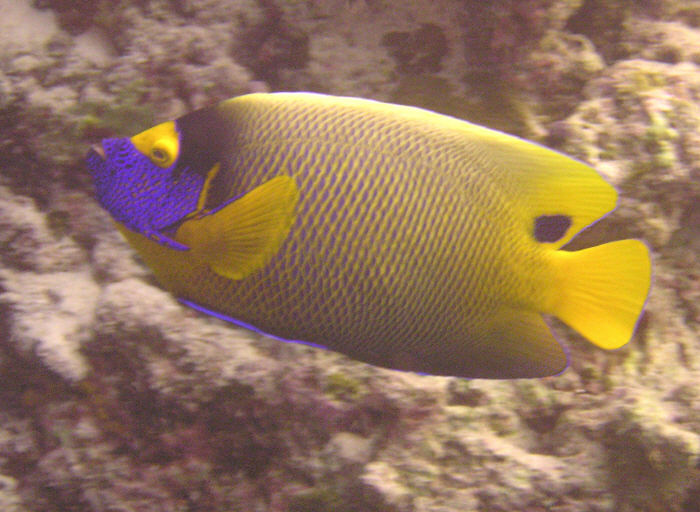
[9, 499]
[26, 241]
[181, 351]
[558, 69]
[640, 129]
[18, 449]
[381, 482]
[19, 22]
[152, 406]
[661, 454]
[113, 260]
[664, 41]
[347, 449]
[50, 317]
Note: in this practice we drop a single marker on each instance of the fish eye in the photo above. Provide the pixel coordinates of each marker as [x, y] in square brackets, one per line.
[159, 155]
[162, 152]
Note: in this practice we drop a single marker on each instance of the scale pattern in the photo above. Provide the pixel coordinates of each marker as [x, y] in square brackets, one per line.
[403, 244]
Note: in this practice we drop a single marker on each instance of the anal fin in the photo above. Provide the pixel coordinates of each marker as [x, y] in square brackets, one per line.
[518, 345]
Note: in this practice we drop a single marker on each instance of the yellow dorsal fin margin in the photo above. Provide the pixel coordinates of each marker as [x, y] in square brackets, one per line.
[545, 182]
[241, 238]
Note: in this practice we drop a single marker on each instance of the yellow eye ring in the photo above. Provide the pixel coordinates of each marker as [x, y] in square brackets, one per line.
[163, 151]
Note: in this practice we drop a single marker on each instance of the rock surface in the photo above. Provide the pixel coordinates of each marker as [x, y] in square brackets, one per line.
[114, 396]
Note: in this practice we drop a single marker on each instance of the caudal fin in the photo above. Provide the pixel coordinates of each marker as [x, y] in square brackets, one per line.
[601, 290]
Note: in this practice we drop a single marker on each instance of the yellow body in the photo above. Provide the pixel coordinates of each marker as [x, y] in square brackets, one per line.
[400, 237]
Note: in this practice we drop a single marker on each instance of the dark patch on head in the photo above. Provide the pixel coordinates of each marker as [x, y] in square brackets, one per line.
[550, 228]
[201, 138]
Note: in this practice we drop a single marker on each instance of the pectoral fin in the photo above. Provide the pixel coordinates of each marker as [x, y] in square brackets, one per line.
[240, 237]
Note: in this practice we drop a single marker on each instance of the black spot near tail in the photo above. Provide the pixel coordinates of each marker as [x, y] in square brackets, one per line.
[550, 228]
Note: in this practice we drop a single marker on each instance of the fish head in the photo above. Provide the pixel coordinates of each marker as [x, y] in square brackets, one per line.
[143, 184]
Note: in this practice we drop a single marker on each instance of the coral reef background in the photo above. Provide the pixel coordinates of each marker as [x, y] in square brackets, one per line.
[114, 397]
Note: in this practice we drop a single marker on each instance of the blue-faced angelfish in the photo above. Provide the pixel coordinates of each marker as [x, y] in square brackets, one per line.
[400, 237]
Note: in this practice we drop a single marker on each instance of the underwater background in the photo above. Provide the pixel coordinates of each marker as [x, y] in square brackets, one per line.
[115, 397]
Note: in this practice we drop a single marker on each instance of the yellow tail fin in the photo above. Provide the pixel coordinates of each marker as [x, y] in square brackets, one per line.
[601, 291]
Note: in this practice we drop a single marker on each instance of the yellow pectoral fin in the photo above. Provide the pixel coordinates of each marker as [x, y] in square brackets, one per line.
[242, 237]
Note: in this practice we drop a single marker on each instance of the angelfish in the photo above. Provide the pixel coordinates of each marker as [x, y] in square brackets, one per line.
[397, 236]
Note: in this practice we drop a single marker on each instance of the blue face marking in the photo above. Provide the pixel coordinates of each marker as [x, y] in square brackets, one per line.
[137, 193]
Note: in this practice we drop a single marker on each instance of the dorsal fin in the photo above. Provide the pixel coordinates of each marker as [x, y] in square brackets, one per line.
[545, 182]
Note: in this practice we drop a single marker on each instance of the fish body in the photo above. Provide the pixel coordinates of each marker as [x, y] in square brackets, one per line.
[395, 235]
